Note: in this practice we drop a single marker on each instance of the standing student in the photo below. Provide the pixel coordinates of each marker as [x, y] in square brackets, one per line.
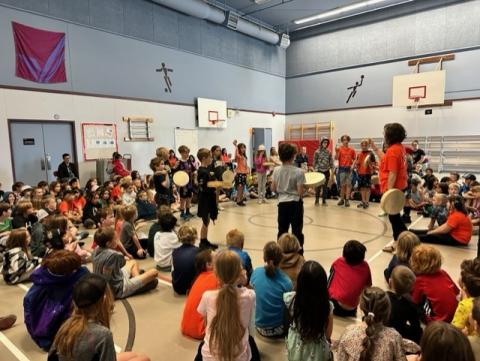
[323, 163]
[288, 183]
[161, 181]
[207, 200]
[261, 170]
[241, 171]
[270, 283]
[193, 324]
[346, 157]
[86, 334]
[311, 316]
[186, 192]
[228, 312]
[393, 170]
[364, 163]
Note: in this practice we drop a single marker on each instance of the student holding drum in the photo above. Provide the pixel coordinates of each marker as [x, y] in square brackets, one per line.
[323, 163]
[184, 169]
[393, 176]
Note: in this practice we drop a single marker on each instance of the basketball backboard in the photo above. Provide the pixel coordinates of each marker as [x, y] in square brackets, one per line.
[211, 113]
[413, 90]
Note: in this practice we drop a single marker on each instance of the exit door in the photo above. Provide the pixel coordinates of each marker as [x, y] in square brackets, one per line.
[37, 149]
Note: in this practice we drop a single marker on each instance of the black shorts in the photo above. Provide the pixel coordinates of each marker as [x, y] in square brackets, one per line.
[364, 181]
[185, 192]
[240, 179]
[207, 207]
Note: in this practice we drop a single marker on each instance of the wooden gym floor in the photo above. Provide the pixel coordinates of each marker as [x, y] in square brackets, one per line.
[151, 322]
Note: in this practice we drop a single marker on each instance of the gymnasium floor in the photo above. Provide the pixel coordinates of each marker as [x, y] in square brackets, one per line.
[151, 321]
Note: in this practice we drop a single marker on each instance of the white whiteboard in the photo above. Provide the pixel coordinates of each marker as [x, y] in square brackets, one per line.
[188, 137]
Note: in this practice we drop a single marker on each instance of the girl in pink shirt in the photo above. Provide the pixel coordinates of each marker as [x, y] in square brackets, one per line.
[229, 313]
[241, 171]
[260, 158]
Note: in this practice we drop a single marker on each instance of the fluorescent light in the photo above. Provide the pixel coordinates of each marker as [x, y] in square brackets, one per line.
[348, 9]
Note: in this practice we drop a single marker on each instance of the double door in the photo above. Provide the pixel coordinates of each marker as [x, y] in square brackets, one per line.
[261, 136]
[37, 149]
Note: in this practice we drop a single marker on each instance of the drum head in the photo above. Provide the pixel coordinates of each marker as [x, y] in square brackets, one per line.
[215, 184]
[268, 164]
[314, 179]
[181, 178]
[228, 177]
[392, 201]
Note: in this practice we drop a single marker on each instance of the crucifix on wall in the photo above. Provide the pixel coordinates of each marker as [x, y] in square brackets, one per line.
[166, 77]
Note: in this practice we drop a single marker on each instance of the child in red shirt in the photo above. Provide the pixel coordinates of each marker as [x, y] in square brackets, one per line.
[434, 290]
[346, 157]
[349, 275]
[193, 324]
[365, 163]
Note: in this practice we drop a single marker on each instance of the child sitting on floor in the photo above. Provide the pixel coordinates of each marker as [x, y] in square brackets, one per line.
[165, 242]
[193, 324]
[18, 264]
[439, 210]
[128, 236]
[292, 260]
[235, 241]
[475, 322]
[434, 290]
[311, 316]
[183, 260]
[470, 285]
[270, 283]
[407, 241]
[123, 276]
[404, 315]
[349, 275]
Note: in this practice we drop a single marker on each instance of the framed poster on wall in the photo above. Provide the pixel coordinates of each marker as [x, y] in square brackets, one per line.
[99, 140]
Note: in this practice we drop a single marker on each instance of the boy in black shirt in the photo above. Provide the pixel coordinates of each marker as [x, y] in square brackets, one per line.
[207, 200]
[161, 180]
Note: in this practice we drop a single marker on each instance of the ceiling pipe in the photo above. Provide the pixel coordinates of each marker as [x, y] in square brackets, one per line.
[203, 10]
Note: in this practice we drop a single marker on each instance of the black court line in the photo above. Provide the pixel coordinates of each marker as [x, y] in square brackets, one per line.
[132, 328]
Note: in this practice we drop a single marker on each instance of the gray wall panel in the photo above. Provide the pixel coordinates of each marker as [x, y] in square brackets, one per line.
[33, 5]
[446, 28]
[73, 10]
[139, 19]
[165, 25]
[107, 14]
[189, 34]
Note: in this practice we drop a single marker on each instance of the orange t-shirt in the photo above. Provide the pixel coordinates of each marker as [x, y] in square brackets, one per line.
[242, 166]
[394, 160]
[64, 207]
[362, 170]
[116, 192]
[193, 324]
[346, 156]
[462, 227]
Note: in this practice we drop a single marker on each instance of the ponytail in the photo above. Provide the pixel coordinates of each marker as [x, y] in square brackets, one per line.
[375, 304]
[272, 255]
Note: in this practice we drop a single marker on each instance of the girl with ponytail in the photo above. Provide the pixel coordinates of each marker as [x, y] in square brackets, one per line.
[270, 283]
[228, 313]
[372, 340]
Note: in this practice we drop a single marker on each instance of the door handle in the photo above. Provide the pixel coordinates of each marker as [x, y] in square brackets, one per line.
[42, 164]
[49, 164]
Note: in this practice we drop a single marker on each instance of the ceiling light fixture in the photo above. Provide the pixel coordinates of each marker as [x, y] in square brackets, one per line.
[351, 10]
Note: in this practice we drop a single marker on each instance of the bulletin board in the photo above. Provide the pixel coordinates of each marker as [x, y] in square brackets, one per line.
[99, 140]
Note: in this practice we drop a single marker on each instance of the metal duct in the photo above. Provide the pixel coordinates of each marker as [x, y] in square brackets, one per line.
[202, 10]
[195, 8]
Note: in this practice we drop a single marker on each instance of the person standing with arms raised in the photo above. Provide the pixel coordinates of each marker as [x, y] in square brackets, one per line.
[393, 169]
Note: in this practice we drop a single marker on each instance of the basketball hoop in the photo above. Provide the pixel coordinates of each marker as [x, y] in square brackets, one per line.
[213, 118]
[416, 93]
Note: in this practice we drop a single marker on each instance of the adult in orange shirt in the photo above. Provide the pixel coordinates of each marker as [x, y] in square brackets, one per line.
[346, 157]
[393, 169]
[193, 323]
[364, 163]
[457, 231]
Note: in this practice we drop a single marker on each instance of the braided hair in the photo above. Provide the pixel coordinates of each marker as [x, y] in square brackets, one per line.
[375, 305]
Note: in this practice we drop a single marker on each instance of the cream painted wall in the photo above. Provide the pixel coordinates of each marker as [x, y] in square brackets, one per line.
[462, 118]
[31, 105]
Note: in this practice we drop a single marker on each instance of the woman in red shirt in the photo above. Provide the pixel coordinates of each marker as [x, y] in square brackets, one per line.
[457, 231]
[393, 168]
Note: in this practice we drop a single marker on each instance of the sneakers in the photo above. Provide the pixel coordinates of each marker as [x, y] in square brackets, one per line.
[366, 205]
[205, 244]
[317, 202]
[361, 205]
[347, 203]
[241, 204]
[340, 202]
